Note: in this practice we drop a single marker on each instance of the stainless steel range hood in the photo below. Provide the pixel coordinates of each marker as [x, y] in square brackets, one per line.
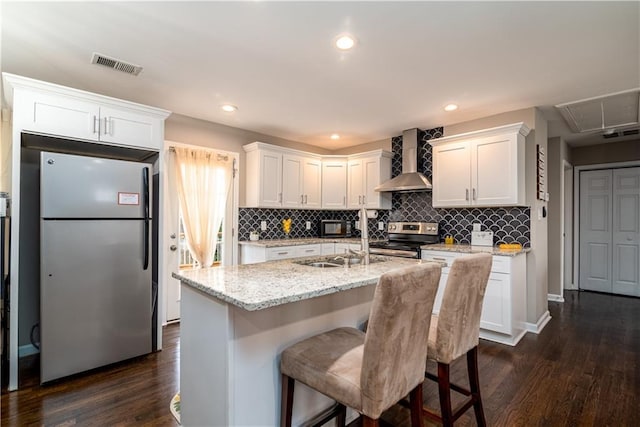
[410, 179]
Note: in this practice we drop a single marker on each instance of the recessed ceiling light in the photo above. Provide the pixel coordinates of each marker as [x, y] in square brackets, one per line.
[229, 108]
[450, 107]
[335, 136]
[345, 42]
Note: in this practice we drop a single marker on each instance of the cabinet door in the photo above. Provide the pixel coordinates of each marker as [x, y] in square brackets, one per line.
[496, 307]
[355, 183]
[334, 185]
[271, 179]
[452, 175]
[493, 171]
[58, 115]
[292, 195]
[312, 183]
[128, 128]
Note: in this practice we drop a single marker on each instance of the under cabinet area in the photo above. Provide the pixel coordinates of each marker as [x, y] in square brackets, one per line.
[286, 178]
[482, 168]
[120, 123]
[504, 308]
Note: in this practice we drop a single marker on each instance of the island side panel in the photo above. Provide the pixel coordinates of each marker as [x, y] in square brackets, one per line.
[205, 336]
[259, 337]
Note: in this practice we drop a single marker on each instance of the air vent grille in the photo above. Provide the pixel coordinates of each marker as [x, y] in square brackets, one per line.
[604, 112]
[115, 64]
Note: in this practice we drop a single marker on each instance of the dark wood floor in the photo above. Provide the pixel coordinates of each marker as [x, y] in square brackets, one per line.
[583, 370]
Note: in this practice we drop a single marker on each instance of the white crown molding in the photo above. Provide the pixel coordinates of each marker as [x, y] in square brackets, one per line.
[514, 128]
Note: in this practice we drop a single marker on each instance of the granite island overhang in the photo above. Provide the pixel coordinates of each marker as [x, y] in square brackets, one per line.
[236, 320]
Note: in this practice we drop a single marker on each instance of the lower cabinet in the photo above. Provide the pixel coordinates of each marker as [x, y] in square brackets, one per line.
[251, 254]
[504, 308]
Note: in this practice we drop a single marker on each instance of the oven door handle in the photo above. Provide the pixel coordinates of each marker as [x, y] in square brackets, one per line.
[391, 252]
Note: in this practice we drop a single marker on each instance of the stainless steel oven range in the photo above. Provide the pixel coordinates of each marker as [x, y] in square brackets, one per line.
[405, 239]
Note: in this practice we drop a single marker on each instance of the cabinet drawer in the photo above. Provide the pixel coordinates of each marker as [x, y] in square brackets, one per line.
[281, 253]
[441, 256]
[328, 248]
[501, 264]
[308, 250]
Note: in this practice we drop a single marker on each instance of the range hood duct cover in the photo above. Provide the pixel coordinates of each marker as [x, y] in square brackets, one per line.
[410, 179]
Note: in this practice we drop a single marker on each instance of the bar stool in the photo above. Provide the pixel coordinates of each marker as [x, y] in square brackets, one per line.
[370, 372]
[454, 331]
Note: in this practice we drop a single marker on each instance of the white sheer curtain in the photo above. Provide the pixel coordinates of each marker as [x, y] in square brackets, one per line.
[203, 179]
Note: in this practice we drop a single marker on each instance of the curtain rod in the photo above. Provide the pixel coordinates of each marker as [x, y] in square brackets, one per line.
[224, 157]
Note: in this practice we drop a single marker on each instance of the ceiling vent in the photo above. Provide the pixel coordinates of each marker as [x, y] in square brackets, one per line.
[115, 64]
[603, 112]
[614, 133]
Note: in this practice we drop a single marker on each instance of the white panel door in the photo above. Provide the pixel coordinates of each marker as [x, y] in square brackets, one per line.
[271, 179]
[371, 181]
[595, 230]
[355, 183]
[312, 183]
[452, 175]
[334, 185]
[292, 195]
[127, 128]
[626, 231]
[493, 168]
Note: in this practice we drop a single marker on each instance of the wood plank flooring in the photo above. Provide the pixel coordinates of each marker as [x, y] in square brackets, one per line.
[583, 370]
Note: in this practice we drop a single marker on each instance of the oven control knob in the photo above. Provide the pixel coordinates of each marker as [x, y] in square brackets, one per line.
[392, 226]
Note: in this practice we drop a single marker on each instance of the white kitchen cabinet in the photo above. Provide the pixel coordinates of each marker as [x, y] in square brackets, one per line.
[365, 172]
[504, 307]
[281, 178]
[334, 184]
[251, 254]
[481, 168]
[87, 119]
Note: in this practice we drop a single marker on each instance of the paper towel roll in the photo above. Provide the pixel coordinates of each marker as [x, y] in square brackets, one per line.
[370, 213]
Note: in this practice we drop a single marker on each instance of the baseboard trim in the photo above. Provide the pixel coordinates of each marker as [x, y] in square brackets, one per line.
[27, 350]
[537, 327]
[555, 298]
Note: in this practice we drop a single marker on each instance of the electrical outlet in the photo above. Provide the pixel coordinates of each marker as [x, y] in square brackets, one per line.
[381, 225]
[263, 225]
[308, 225]
[357, 225]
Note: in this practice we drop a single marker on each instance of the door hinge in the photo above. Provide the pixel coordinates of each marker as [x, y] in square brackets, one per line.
[234, 170]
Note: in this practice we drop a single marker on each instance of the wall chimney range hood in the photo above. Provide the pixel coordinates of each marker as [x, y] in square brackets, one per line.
[410, 179]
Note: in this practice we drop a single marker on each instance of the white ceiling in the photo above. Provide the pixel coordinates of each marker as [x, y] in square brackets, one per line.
[276, 61]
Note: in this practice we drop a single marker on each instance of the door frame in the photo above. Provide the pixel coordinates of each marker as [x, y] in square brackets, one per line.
[231, 228]
[576, 208]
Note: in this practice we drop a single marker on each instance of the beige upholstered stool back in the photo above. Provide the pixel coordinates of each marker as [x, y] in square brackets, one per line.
[458, 322]
[395, 344]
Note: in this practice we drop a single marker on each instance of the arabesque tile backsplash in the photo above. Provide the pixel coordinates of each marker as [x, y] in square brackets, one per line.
[509, 224]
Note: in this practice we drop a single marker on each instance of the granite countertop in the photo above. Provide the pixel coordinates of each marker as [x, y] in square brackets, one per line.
[304, 241]
[268, 284]
[464, 248]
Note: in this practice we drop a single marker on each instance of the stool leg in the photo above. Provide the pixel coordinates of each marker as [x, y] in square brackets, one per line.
[415, 400]
[474, 385]
[341, 418]
[444, 389]
[286, 408]
[369, 422]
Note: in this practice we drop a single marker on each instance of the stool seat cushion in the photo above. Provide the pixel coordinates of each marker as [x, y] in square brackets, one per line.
[330, 363]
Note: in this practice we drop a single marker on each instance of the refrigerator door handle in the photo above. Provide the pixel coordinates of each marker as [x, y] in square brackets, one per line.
[145, 182]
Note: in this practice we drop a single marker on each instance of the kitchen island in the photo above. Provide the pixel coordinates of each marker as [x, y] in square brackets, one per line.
[236, 321]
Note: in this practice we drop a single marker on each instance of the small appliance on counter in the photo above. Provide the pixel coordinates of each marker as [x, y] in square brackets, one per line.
[481, 238]
[334, 228]
[405, 239]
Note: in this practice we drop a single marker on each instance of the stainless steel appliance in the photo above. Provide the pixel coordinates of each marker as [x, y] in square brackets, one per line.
[335, 228]
[405, 239]
[95, 263]
[410, 179]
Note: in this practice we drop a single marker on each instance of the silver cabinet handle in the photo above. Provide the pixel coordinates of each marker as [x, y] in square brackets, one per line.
[359, 200]
[301, 199]
[279, 197]
[439, 259]
[466, 194]
[95, 119]
[306, 199]
[474, 194]
[309, 250]
[283, 253]
[344, 200]
[364, 200]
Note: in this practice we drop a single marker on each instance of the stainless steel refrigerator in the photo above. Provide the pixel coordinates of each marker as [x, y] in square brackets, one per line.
[95, 263]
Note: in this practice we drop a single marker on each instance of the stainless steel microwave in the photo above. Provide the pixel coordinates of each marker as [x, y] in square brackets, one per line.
[335, 228]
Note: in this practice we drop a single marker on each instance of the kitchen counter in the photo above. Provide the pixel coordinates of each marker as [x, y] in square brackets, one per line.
[297, 242]
[235, 322]
[263, 285]
[464, 248]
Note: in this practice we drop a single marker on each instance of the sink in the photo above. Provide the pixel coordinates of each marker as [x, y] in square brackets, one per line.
[337, 261]
[319, 264]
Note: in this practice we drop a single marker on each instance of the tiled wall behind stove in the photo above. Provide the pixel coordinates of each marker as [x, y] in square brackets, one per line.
[509, 224]
[249, 220]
